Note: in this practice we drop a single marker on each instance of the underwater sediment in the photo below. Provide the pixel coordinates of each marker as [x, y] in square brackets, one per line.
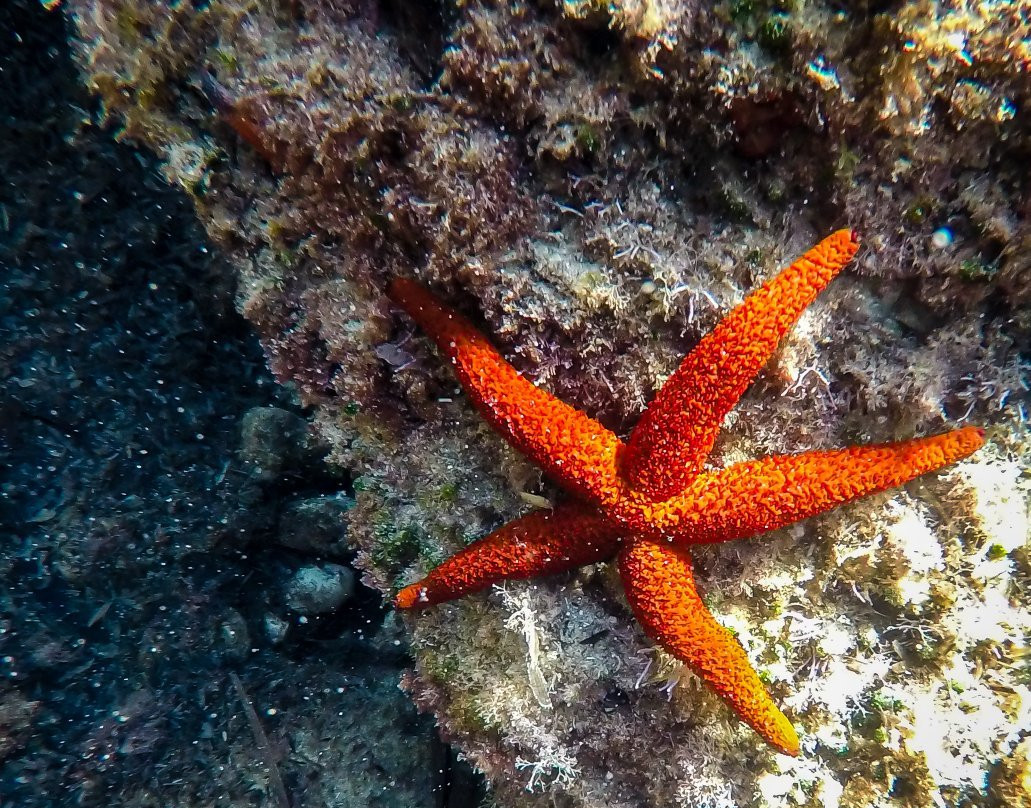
[160, 642]
[597, 184]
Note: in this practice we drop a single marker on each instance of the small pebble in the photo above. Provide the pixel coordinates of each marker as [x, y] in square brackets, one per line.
[276, 628]
[319, 588]
[234, 638]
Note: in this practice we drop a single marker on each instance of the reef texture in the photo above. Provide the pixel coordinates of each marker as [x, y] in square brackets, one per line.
[653, 519]
[597, 184]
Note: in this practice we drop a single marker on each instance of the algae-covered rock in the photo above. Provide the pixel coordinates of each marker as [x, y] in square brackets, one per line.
[273, 440]
[317, 525]
[596, 184]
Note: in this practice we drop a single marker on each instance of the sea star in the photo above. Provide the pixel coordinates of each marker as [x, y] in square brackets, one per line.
[645, 500]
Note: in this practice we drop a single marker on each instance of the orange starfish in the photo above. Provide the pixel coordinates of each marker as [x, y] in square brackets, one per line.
[644, 500]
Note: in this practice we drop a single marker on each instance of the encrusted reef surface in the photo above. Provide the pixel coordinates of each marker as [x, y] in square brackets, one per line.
[597, 183]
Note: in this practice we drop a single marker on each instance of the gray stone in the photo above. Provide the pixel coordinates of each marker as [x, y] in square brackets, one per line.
[276, 628]
[319, 588]
[317, 525]
[273, 439]
[233, 636]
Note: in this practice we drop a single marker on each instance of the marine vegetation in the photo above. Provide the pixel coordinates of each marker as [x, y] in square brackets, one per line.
[597, 184]
[646, 500]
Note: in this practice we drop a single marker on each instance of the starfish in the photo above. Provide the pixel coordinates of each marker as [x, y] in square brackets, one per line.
[647, 500]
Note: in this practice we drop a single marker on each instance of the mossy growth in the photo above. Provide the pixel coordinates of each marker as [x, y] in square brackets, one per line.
[466, 713]
[932, 652]
[769, 654]
[464, 709]
[227, 59]
[767, 23]
[434, 498]
[977, 269]
[732, 203]
[864, 642]
[276, 232]
[400, 101]
[996, 552]
[272, 85]
[743, 10]
[863, 720]
[984, 653]
[286, 256]
[755, 257]
[441, 665]
[448, 492]
[913, 784]
[396, 546]
[712, 601]
[845, 165]
[432, 556]
[885, 702]
[775, 190]
[775, 36]
[918, 211]
[587, 139]
[128, 24]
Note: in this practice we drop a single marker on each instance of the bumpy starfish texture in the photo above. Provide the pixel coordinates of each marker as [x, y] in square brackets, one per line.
[646, 500]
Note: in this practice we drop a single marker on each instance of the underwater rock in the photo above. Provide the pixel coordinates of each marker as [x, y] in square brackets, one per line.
[234, 635]
[317, 589]
[273, 440]
[596, 184]
[276, 628]
[17, 716]
[317, 526]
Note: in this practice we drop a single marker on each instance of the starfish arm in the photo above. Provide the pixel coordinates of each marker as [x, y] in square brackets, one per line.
[573, 449]
[660, 587]
[760, 495]
[540, 543]
[676, 432]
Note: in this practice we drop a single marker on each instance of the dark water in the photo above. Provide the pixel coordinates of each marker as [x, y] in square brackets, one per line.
[140, 656]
